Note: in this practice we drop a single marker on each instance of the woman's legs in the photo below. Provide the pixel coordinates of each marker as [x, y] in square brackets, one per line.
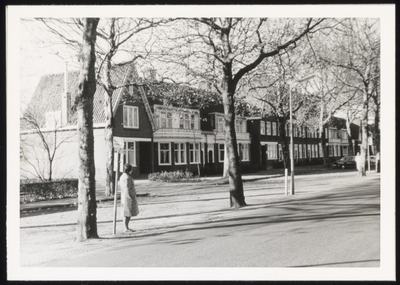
[127, 219]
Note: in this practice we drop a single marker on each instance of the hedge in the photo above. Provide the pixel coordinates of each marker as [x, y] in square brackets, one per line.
[173, 176]
[49, 190]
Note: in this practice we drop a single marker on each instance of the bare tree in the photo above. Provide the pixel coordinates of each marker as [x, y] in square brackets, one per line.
[50, 142]
[357, 50]
[221, 51]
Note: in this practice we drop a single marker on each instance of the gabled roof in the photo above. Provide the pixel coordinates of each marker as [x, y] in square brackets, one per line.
[49, 91]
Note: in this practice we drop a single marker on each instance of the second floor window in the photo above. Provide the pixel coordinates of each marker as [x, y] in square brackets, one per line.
[238, 126]
[269, 128]
[220, 124]
[262, 127]
[131, 117]
[274, 128]
[165, 120]
[189, 121]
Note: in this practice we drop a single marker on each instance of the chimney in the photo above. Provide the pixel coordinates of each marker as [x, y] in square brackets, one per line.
[65, 99]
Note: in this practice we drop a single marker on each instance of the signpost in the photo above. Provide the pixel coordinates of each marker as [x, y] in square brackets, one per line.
[119, 148]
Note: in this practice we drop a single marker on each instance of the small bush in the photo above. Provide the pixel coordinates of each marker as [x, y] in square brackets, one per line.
[173, 176]
[40, 191]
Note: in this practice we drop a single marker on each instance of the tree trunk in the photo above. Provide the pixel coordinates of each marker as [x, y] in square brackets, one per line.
[325, 152]
[108, 136]
[349, 138]
[86, 226]
[364, 134]
[108, 110]
[235, 178]
[377, 138]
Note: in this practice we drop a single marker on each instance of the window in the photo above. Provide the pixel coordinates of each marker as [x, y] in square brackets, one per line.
[295, 151]
[165, 120]
[192, 122]
[164, 154]
[321, 153]
[53, 119]
[210, 150]
[344, 135]
[194, 153]
[301, 151]
[271, 151]
[330, 147]
[220, 124]
[262, 127]
[309, 151]
[345, 151]
[268, 128]
[274, 128]
[244, 152]
[131, 117]
[130, 153]
[238, 126]
[280, 153]
[180, 153]
[221, 152]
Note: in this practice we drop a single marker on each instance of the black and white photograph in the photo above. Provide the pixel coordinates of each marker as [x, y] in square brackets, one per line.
[201, 142]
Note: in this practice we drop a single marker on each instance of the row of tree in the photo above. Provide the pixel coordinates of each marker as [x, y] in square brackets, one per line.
[253, 58]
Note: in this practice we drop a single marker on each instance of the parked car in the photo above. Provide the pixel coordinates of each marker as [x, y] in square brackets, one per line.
[345, 162]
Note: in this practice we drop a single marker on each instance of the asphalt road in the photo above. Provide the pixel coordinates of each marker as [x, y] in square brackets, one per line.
[330, 222]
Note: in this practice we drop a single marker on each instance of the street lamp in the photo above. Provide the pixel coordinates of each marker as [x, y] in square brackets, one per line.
[291, 131]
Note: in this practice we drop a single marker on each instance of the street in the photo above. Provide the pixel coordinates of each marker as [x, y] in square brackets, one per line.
[329, 222]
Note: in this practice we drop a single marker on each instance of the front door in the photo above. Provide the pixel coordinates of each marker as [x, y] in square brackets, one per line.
[145, 158]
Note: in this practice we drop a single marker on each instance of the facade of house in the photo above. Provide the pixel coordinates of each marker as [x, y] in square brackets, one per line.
[155, 137]
[148, 135]
[267, 149]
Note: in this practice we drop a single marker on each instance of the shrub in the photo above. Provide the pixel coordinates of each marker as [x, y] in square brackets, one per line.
[173, 176]
[39, 191]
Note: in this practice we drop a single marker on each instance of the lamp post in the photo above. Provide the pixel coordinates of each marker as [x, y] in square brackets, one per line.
[291, 131]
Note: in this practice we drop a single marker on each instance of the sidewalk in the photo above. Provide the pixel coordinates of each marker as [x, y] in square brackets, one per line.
[140, 191]
[143, 190]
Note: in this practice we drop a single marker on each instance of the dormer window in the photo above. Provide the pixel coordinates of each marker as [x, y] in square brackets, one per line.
[131, 117]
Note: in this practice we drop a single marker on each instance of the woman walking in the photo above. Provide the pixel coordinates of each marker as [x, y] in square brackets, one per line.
[128, 196]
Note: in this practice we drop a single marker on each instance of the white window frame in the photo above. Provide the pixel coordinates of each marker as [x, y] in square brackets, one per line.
[134, 112]
[271, 150]
[128, 151]
[178, 150]
[262, 127]
[194, 148]
[164, 150]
